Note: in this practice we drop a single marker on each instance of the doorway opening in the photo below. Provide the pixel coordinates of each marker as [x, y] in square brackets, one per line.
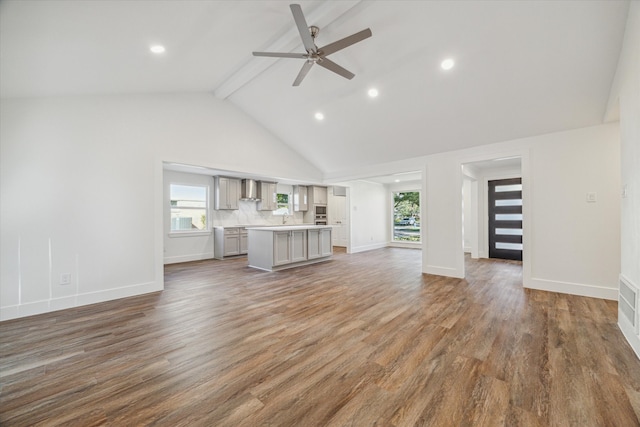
[492, 209]
[339, 217]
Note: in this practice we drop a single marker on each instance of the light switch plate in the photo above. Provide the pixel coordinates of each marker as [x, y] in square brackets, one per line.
[591, 197]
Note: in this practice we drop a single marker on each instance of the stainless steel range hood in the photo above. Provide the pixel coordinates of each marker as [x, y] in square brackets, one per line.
[249, 190]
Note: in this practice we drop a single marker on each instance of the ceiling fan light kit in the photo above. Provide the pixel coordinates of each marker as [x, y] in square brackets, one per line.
[314, 54]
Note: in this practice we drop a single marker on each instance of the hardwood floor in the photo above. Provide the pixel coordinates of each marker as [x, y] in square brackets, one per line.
[362, 340]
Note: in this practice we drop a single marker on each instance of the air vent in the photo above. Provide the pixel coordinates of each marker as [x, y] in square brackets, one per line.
[339, 191]
[628, 302]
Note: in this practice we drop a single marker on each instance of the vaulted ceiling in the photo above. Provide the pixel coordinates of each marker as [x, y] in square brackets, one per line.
[522, 68]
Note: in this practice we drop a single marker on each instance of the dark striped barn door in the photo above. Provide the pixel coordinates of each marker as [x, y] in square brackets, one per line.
[505, 219]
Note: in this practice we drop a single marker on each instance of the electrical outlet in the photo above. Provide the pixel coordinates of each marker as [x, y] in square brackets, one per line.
[65, 279]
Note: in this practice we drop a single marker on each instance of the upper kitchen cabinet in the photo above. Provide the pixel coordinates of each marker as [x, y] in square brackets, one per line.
[267, 193]
[300, 199]
[319, 195]
[227, 193]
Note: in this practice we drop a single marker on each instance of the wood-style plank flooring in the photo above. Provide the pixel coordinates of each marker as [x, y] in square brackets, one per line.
[361, 340]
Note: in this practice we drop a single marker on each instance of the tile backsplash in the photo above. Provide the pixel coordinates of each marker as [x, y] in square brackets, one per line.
[247, 214]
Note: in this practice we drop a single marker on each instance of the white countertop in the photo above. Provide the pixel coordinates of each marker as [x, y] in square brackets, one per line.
[287, 227]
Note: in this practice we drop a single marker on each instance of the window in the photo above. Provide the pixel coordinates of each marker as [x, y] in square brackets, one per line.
[406, 216]
[282, 203]
[189, 207]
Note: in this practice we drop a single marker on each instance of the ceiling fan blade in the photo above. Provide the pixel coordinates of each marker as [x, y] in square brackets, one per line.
[345, 42]
[303, 72]
[281, 55]
[303, 28]
[332, 66]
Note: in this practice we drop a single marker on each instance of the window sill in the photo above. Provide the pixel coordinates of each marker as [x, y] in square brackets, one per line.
[173, 234]
[405, 244]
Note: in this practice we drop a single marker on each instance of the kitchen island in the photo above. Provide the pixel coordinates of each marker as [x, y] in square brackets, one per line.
[280, 247]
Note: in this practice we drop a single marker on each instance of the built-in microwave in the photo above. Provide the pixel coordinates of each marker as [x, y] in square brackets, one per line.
[320, 214]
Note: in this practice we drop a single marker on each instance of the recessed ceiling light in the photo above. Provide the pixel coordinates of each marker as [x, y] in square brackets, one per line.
[319, 116]
[447, 64]
[397, 180]
[373, 92]
[157, 48]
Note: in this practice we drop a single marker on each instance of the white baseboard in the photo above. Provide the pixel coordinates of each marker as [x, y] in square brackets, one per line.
[187, 258]
[70, 301]
[467, 249]
[573, 288]
[364, 248]
[629, 333]
[443, 271]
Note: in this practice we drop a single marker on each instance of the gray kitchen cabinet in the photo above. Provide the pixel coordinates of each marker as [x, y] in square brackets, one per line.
[326, 245]
[279, 247]
[289, 246]
[244, 241]
[319, 195]
[267, 193]
[227, 193]
[300, 198]
[229, 241]
[298, 245]
[231, 245]
[319, 243]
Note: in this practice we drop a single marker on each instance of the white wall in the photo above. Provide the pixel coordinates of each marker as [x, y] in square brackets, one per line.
[570, 245]
[470, 218]
[405, 186]
[625, 96]
[369, 216]
[576, 244]
[472, 224]
[82, 188]
[442, 240]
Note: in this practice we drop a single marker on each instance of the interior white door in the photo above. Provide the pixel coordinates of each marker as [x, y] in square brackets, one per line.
[338, 220]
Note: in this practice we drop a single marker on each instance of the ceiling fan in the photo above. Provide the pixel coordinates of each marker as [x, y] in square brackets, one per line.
[314, 54]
